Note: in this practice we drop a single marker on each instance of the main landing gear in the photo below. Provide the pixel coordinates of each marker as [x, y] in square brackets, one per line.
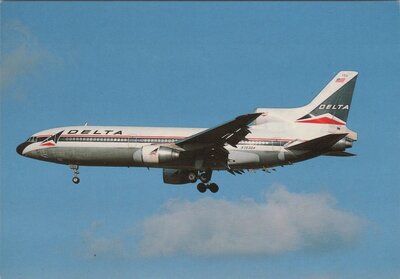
[205, 177]
[75, 170]
[202, 187]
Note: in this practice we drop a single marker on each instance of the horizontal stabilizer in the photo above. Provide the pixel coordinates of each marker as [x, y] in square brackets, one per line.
[318, 144]
[339, 154]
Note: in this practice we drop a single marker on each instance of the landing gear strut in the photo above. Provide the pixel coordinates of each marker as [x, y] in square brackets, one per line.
[75, 170]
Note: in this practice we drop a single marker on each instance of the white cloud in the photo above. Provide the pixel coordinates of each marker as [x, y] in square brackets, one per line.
[285, 221]
[100, 245]
[21, 54]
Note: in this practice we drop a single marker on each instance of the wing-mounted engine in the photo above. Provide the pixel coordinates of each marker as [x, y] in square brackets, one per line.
[155, 154]
[176, 176]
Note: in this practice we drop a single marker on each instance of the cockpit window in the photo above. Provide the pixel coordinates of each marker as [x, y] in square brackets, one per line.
[36, 139]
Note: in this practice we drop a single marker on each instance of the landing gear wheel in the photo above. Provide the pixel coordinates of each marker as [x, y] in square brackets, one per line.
[192, 177]
[201, 187]
[213, 187]
[205, 176]
[75, 170]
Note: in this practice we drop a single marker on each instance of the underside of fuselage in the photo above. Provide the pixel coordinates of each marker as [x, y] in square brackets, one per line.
[123, 157]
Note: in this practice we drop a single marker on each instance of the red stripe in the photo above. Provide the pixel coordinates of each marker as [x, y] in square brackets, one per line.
[268, 139]
[48, 144]
[322, 120]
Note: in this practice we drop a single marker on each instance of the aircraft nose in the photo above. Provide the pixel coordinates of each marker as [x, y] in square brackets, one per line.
[21, 147]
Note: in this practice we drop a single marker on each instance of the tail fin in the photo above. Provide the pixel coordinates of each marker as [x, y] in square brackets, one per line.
[332, 105]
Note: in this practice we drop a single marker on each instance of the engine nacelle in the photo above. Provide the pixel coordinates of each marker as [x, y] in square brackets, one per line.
[175, 176]
[155, 154]
[342, 145]
[242, 158]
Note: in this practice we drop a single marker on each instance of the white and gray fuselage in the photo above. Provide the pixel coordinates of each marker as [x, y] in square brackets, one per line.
[264, 147]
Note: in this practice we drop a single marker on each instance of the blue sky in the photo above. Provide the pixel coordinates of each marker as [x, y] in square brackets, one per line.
[197, 64]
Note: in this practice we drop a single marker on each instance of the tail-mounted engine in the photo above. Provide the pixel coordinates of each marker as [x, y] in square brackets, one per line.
[342, 144]
[155, 154]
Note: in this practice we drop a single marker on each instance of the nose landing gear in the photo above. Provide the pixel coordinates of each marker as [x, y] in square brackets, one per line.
[75, 170]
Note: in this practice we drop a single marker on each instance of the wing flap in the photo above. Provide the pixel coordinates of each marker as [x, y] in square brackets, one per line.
[237, 136]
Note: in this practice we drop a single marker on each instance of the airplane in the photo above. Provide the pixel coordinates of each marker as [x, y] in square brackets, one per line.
[263, 140]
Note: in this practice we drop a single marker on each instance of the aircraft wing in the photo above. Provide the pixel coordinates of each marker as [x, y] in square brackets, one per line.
[231, 133]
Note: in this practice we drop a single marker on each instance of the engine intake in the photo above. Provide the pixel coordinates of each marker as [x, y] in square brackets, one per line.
[155, 154]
